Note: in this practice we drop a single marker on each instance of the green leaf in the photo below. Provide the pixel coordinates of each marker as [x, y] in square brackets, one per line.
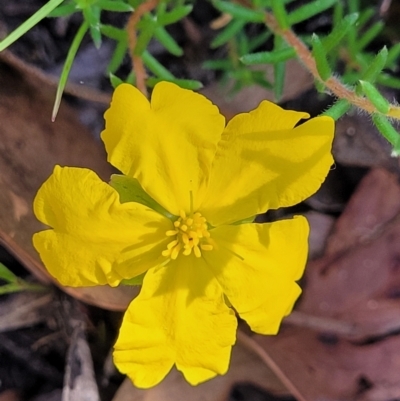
[258, 40]
[147, 27]
[118, 56]
[370, 35]
[112, 32]
[388, 132]
[63, 10]
[273, 57]
[309, 10]
[339, 32]
[114, 5]
[217, 64]
[338, 109]
[393, 56]
[130, 190]
[92, 16]
[321, 61]
[168, 41]
[388, 80]
[237, 11]
[279, 69]
[7, 275]
[67, 66]
[115, 81]
[278, 8]
[175, 15]
[156, 67]
[376, 66]
[29, 23]
[183, 83]
[381, 104]
[228, 32]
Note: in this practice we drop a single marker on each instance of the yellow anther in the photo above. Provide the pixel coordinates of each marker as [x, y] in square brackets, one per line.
[191, 235]
[197, 251]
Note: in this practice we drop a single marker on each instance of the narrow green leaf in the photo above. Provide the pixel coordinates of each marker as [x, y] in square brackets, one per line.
[147, 28]
[115, 81]
[130, 190]
[29, 23]
[393, 56]
[309, 10]
[114, 5]
[7, 275]
[63, 10]
[258, 40]
[217, 64]
[238, 11]
[168, 41]
[354, 6]
[183, 83]
[228, 32]
[118, 56]
[273, 57]
[381, 104]
[279, 69]
[387, 80]
[156, 67]
[321, 61]
[175, 15]
[279, 11]
[388, 132]
[112, 32]
[376, 66]
[67, 66]
[339, 32]
[92, 16]
[370, 35]
[338, 109]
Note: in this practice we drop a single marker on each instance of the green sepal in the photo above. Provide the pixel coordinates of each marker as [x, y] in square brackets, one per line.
[138, 280]
[374, 96]
[247, 220]
[388, 132]
[321, 61]
[115, 81]
[130, 190]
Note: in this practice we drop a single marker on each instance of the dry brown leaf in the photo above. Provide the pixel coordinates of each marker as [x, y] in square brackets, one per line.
[354, 294]
[245, 367]
[30, 146]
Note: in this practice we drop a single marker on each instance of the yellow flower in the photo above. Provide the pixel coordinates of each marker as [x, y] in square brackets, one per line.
[199, 178]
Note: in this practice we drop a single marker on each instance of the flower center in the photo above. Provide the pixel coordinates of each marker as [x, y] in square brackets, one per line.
[191, 234]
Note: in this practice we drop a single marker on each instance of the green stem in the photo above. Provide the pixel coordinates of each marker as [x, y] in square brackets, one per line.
[67, 66]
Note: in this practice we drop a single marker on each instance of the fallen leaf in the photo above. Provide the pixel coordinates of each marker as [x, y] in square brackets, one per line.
[30, 147]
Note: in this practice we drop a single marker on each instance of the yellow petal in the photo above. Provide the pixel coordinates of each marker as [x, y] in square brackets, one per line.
[90, 229]
[257, 265]
[168, 145]
[179, 317]
[262, 163]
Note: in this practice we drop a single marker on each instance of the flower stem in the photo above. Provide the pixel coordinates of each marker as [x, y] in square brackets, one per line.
[137, 62]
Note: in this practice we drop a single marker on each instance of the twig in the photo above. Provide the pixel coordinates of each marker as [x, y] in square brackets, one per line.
[250, 344]
[137, 62]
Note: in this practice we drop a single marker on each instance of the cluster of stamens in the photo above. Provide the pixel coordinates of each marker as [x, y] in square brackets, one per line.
[191, 234]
